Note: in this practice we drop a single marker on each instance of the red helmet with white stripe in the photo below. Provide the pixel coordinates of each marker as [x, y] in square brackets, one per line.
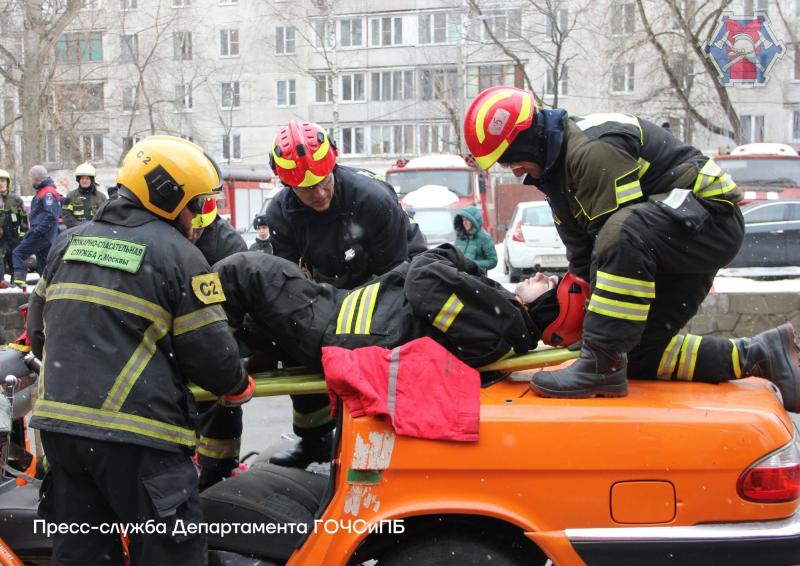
[302, 154]
[494, 119]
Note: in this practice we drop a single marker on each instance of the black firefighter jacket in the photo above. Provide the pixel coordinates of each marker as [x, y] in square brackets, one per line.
[439, 294]
[219, 241]
[81, 205]
[132, 313]
[606, 162]
[364, 232]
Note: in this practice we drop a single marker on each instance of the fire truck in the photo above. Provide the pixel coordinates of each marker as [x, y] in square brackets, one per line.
[472, 187]
[764, 171]
[244, 192]
[459, 175]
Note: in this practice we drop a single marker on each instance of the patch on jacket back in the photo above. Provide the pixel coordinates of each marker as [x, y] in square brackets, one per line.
[208, 288]
[106, 252]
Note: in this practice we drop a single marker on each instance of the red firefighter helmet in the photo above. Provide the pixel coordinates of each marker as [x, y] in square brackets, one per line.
[494, 119]
[566, 329]
[302, 154]
[207, 214]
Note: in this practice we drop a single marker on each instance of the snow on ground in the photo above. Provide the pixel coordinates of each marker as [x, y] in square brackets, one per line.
[774, 280]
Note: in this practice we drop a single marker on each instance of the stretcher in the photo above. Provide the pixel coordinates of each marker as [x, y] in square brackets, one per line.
[297, 381]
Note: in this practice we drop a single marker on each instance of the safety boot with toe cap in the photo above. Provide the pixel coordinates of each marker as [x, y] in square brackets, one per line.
[773, 355]
[596, 373]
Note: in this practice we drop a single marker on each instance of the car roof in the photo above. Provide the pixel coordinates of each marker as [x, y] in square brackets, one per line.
[763, 149]
[530, 203]
[760, 203]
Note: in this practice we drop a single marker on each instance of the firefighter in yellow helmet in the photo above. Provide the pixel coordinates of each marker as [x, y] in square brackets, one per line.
[13, 220]
[646, 219]
[117, 419]
[82, 203]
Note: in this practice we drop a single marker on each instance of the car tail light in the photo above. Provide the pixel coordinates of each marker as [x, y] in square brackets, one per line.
[775, 478]
[518, 236]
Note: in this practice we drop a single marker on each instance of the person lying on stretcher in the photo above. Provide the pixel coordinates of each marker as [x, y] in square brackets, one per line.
[439, 293]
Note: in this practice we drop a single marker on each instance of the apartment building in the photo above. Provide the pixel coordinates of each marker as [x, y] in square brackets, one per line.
[389, 80]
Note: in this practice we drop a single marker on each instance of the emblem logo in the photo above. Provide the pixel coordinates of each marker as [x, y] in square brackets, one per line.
[744, 50]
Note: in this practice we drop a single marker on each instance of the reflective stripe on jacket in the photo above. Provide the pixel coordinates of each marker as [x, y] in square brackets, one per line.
[132, 314]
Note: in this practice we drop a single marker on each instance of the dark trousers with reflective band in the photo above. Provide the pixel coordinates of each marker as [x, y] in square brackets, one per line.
[107, 483]
[706, 359]
[651, 273]
[311, 416]
[220, 436]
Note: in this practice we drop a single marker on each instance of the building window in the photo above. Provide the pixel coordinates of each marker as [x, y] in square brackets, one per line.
[440, 84]
[181, 3]
[92, 5]
[50, 148]
[82, 97]
[182, 45]
[439, 27]
[796, 126]
[229, 94]
[434, 138]
[324, 33]
[351, 33]
[561, 20]
[481, 77]
[128, 4]
[752, 7]
[352, 140]
[797, 61]
[392, 140]
[286, 93]
[503, 24]
[128, 98]
[128, 142]
[751, 128]
[79, 47]
[91, 146]
[128, 48]
[352, 87]
[284, 40]
[232, 147]
[183, 97]
[9, 109]
[393, 85]
[228, 2]
[229, 42]
[386, 31]
[623, 18]
[622, 77]
[323, 89]
[550, 81]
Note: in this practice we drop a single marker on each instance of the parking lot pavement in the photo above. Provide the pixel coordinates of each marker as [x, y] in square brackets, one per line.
[265, 420]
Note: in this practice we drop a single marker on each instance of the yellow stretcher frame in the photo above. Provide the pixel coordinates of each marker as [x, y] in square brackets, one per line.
[297, 382]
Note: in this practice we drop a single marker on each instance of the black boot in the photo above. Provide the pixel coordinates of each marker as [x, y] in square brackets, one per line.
[308, 450]
[20, 278]
[598, 372]
[773, 356]
[210, 476]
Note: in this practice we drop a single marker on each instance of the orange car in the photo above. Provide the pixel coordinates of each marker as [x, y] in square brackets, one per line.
[675, 473]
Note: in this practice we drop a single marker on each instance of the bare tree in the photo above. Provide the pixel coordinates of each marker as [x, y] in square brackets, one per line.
[553, 27]
[692, 26]
[43, 22]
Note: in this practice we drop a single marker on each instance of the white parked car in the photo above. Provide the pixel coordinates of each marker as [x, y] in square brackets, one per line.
[532, 243]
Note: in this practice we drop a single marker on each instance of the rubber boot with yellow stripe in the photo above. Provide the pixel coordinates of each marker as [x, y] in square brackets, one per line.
[773, 355]
[596, 373]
